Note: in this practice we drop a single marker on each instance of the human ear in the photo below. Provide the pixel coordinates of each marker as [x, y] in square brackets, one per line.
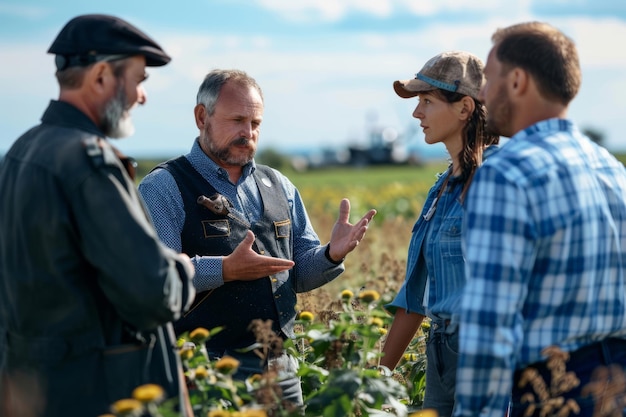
[200, 114]
[99, 78]
[518, 81]
[467, 107]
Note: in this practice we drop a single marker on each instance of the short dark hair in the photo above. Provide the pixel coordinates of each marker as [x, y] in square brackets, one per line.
[546, 53]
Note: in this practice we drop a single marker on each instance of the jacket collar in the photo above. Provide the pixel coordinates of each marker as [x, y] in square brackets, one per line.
[64, 114]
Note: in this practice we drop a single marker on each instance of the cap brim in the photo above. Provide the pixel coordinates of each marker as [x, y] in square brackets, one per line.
[155, 57]
[411, 88]
[152, 61]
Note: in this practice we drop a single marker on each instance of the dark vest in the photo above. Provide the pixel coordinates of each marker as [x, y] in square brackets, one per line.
[207, 233]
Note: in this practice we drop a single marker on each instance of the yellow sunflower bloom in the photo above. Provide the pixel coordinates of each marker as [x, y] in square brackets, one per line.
[199, 335]
[369, 296]
[227, 365]
[186, 353]
[202, 372]
[127, 406]
[148, 393]
[306, 316]
[219, 413]
[253, 412]
[376, 321]
[427, 412]
[255, 378]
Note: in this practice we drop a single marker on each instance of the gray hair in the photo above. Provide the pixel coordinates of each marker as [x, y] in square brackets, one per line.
[210, 88]
[72, 77]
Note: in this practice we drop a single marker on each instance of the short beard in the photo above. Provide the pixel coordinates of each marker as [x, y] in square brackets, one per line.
[116, 122]
[498, 120]
[224, 154]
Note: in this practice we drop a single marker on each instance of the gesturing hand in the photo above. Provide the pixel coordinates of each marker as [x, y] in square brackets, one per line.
[244, 264]
[345, 236]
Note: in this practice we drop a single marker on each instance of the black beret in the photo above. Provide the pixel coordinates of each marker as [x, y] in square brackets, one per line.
[87, 36]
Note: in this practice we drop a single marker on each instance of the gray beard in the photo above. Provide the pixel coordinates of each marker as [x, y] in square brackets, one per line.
[224, 154]
[116, 123]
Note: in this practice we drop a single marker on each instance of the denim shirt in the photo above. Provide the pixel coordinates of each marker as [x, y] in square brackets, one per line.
[435, 259]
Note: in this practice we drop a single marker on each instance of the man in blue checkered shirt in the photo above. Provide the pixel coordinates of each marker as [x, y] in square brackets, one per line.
[545, 243]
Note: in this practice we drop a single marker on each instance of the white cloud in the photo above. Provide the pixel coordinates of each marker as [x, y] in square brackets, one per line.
[598, 41]
[331, 11]
[313, 10]
[433, 7]
[23, 11]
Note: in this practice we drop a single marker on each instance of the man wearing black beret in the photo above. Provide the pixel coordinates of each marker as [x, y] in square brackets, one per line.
[88, 291]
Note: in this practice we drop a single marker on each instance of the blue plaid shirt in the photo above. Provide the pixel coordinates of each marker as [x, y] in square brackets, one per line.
[545, 245]
[165, 205]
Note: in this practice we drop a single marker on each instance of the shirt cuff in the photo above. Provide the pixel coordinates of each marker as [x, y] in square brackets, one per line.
[208, 272]
[327, 254]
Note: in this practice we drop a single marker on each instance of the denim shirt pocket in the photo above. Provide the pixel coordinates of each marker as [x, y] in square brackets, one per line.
[450, 239]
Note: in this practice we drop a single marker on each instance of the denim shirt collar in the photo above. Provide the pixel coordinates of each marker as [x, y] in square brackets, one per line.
[209, 169]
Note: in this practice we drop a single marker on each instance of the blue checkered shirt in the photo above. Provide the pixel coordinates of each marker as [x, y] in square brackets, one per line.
[159, 190]
[545, 244]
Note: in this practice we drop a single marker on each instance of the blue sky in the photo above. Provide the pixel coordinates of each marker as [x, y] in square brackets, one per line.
[326, 66]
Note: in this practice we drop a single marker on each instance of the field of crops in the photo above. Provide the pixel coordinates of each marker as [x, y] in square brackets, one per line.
[397, 193]
[342, 325]
[338, 311]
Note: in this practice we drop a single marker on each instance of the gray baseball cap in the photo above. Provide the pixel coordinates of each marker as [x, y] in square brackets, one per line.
[455, 71]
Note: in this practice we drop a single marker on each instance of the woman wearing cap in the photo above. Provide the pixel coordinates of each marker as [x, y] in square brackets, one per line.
[447, 88]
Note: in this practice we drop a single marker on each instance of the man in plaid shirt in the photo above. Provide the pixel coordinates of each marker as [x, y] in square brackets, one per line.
[544, 239]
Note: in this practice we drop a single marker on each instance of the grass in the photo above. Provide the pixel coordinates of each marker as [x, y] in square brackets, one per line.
[374, 176]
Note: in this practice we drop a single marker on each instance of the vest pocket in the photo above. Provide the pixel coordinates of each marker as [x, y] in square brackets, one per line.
[282, 229]
[216, 228]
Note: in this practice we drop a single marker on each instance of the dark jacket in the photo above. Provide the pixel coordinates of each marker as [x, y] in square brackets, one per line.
[87, 290]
